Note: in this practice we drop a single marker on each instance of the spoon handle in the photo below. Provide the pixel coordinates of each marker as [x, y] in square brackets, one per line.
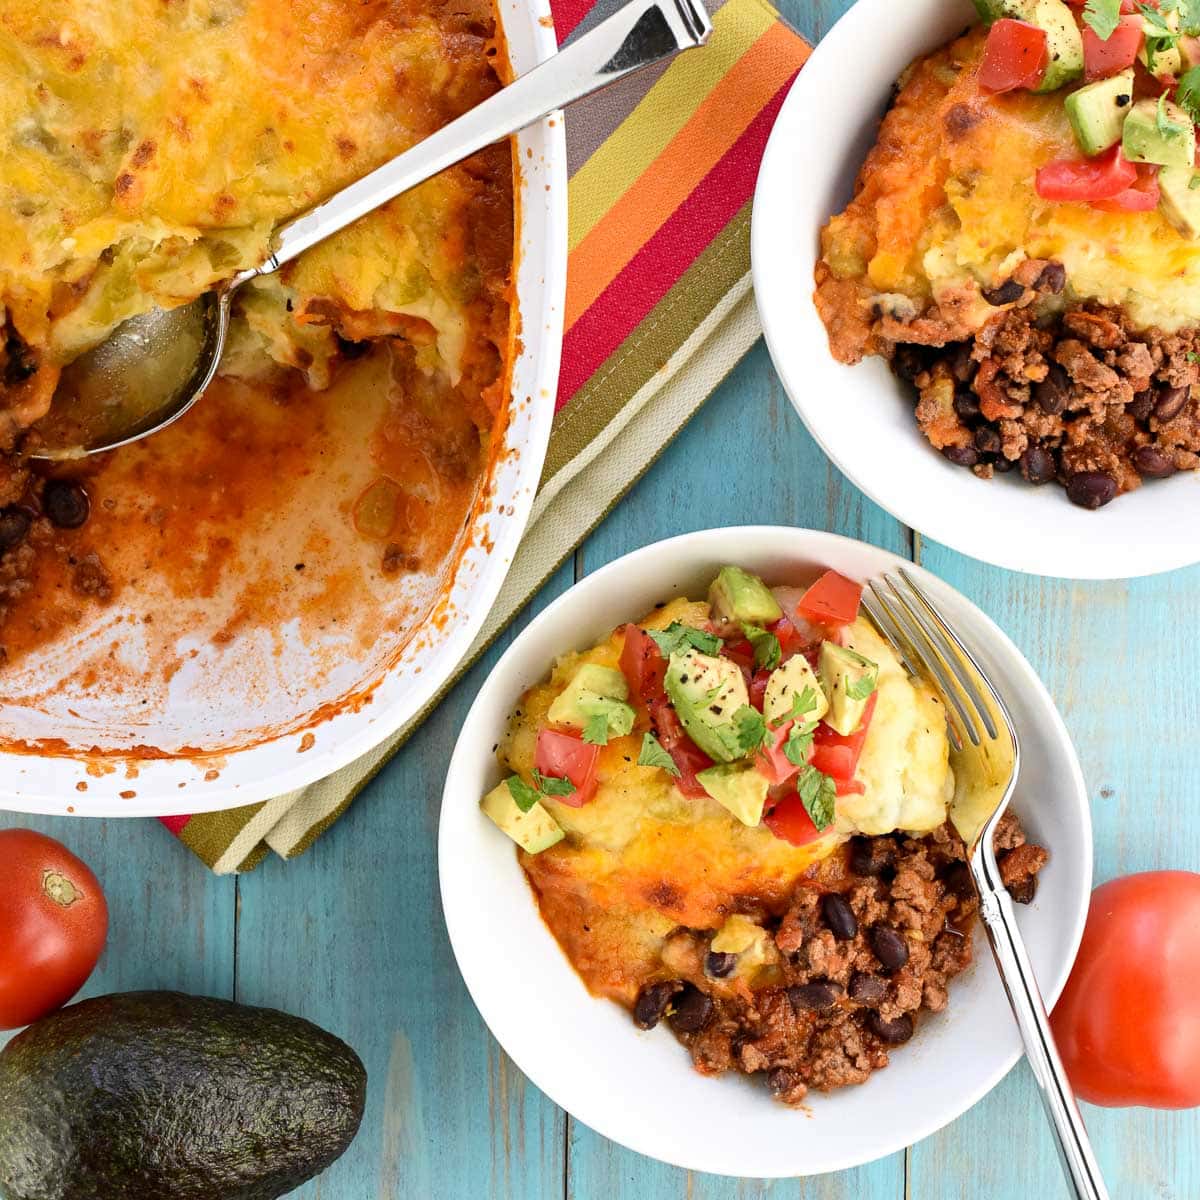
[1016, 971]
[639, 33]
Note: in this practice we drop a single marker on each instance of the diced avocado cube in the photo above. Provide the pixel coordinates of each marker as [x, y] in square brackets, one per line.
[1097, 112]
[706, 692]
[1157, 58]
[594, 691]
[738, 787]
[1179, 198]
[787, 682]
[848, 679]
[1159, 132]
[534, 831]
[736, 595]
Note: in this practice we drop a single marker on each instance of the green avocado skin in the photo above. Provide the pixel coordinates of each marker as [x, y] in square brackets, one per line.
[162, 1096]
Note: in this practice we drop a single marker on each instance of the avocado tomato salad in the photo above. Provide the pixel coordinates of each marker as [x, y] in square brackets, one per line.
[1134, 117]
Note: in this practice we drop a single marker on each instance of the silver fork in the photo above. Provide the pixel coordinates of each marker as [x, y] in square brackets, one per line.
[986, 756]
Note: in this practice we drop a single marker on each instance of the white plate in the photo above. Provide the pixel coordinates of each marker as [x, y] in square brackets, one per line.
[248, 708]
[860, 415]
[639, 1088]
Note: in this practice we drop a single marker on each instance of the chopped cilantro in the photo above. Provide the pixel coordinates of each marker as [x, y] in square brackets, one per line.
[595, 731]
[551, 785]
[1193, 184]
[751, 729]
[1102, 17]
[818, 794]
[860, 689]
[799, 743]
[678, 637]
[1187, 95]
[767, 652]
[524, 797]
[653, 755]
[804, 701]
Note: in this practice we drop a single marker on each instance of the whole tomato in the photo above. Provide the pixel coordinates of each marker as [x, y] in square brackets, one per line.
[1128, 1024]
[53, 922]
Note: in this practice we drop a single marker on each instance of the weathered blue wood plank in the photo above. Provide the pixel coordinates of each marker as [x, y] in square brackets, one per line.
[351, 936]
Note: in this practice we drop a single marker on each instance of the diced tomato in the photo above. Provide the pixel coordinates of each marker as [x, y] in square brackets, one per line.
[758, 688]
[1104, 58]
[643, 665]
[771, 760]
[1098, 178]
[832, 600]
[1141, 197]
[850, 787]
[568, 756]
[790, 821]
[688, 757]
[790, 639]
[1014, 56]
[740, 652]
[837, 754]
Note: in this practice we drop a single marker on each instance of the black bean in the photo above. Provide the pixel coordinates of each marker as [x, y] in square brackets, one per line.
[652, 1002]
[1170, 402]
[961, 456]
[839, 916]
[966, 405]
[14, 525]
[961, 363]
[1053, 392]
[781, 1079]
[1023, 890]
[1008, 292]
[1152, 463]
[692, 1010]
[719, 964]
[872, 856]
[895, 1032]
[1142, 405]
[1091, 489]
[66, 503]
[957, 881]
[890, 948]
[908, 363]
[819, 996]
[1053, 279]
[1003, 465]
[351, 350]
[1037, 465]
[987, 440]
[19, 362]
[866, 989]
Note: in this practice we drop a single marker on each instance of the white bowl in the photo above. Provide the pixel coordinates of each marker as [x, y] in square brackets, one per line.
[860, 415]
[639, 1088]
[264, 716]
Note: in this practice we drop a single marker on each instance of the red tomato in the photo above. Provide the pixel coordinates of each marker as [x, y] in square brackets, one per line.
[568, 756]
[53, 923]
[832, 600]
[1104, 58]
[740, 652]
[836, 759]
[1128, 1025]
[1098, 178]
[790, 821]
[840, 752]
[688, 757]
[791, 641]
[1141, 197]
[642, 664]
[1014, 56]
[758, 688]
[771, 760]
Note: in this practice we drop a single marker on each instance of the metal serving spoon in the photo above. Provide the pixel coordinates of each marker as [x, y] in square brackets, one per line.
[986, 756]
[155, 366]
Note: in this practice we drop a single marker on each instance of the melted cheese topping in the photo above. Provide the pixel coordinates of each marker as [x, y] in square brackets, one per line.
[946, 205]
[150, 148]
[642, 859]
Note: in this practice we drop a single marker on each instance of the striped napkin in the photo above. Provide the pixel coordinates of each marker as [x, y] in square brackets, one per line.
[659, 309]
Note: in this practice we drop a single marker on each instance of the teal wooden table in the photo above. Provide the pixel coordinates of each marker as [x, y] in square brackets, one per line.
[351, 935]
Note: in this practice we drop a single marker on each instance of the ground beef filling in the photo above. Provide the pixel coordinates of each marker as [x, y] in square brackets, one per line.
[1076, 397]
[858, 966]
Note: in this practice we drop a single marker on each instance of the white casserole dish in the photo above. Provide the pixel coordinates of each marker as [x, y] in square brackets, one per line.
[213, 748]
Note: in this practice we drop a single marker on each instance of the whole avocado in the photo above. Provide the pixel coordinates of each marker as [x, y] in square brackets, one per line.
[149, 1095]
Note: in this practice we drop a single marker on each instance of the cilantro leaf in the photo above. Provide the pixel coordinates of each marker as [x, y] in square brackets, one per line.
[767, 651]
[799, 742]
[860, 689]
[818, 794]
[1192, 355]
[677, 637]
[551, 785]
[653, 755]
[1102, 17]
[804, 701]
[751, 729]
[524, 797]
[595, 730]
[1187, 95]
